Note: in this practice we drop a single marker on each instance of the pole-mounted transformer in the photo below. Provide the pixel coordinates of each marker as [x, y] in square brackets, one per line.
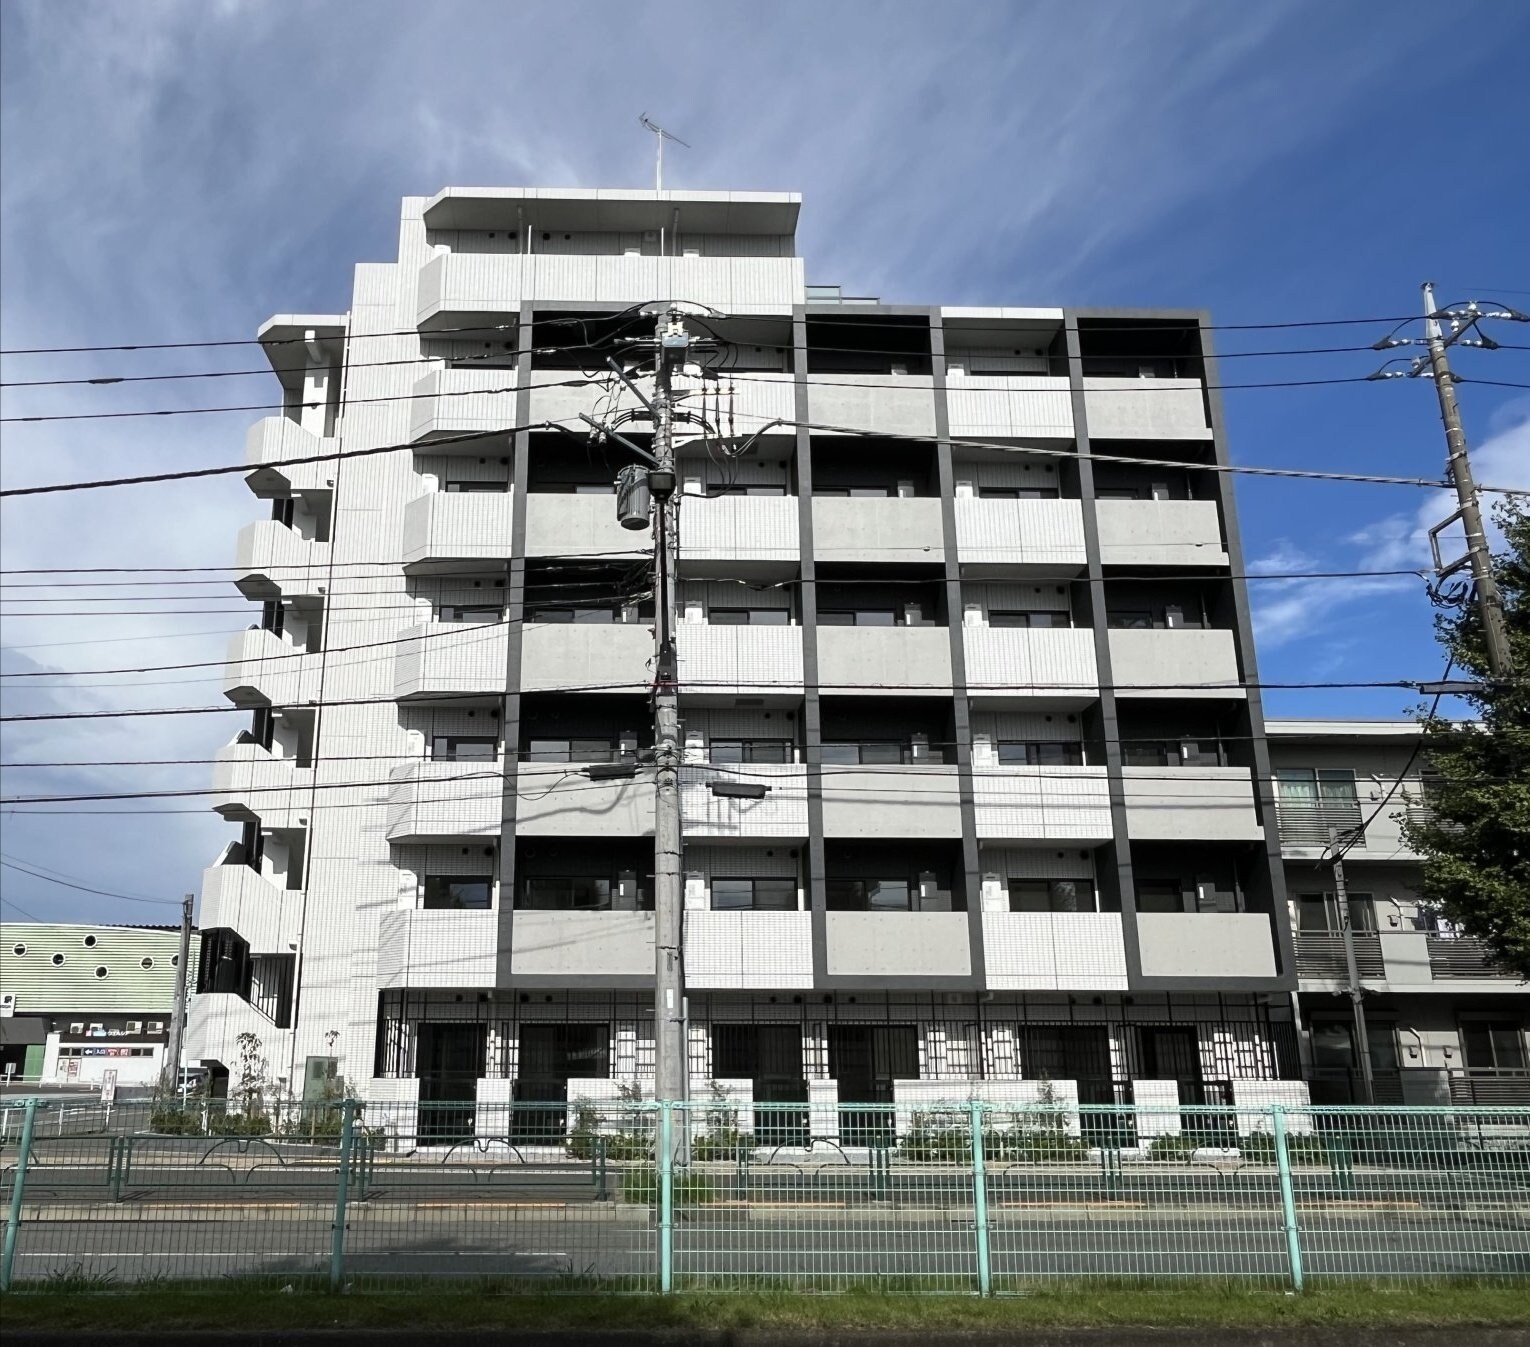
[634, 500]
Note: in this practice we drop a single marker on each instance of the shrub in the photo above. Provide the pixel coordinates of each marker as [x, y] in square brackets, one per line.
[1172, 1148]
[726, 1143]
[641, 1185]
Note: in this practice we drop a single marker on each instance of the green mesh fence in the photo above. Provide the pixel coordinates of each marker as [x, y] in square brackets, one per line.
[628, 1195]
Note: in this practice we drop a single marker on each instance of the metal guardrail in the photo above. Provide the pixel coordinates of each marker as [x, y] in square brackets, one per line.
[1462, 956]
[1322, 956]
[962, 1196]
[1313, 825]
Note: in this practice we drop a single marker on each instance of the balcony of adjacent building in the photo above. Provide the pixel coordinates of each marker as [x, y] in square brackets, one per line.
[889, 767]
[744, 774]
[445, 930]
[1187, 771]
[732, 251]
[286, 556]
[275, 447]
[1025, 641]
[306, 352]
[276, 663]
[1048, 923]
[870, 374]
[464, 510]
[747, 923]
[267, 771]
[1420, 1055]
[739, 638]
[1038, 776]
[876, 501]
[897, 909]
[740, 517]
[1143, 379]
[1017, 513]
[583, 909]
[588, 627]
[1172, 637]
[1204, 910]
[1006, 377]
[1158, 515]
[255, 888]
[882, 631]
[228, 966]
[459, 646]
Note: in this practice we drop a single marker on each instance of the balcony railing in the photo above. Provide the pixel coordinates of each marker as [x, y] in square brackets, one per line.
[1437, 1086]
[1462, 956]
[1320, 955]
[1315, 825]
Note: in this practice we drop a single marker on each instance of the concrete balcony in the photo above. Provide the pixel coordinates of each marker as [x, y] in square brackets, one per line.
[1041, 804]
[781, 813]
[891, 529]
[1206, 944]
[450, 658]
[455, 286]
[570, 657]
[1182, 662]
[275, 439]
[264, 670]
[458, 526]
[739, 661]
[1160, 533]
[552, 803]
[1054, 951]
[560, 525]
[1146, 409]
[1321, 962]
[1171, 804]
[1017, 406]
[429, 801]
[274, 561]
[884, 661]
[252, 782]
[1051, 662]
[898, 944]
[1308, 827]
[428, 948]
[462, 402]
[267, 916]
[910, 801]
[882, 404]
[1020, 533]
[744, 951]
[739, 528]
[559, 945]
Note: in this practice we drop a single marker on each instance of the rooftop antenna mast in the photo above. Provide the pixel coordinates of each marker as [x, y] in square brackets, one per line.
[660, 135]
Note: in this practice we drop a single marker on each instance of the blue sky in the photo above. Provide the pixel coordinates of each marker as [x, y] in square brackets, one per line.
[180, 169]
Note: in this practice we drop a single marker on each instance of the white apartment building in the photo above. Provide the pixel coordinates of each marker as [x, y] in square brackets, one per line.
[1018, 829]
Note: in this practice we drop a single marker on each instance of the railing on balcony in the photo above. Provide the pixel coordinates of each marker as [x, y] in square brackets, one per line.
[1321, 955]
[1316, 824]
[1462, 956]
[1491, 1087]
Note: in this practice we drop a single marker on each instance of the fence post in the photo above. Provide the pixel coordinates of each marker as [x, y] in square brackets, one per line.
[980, 1200]
[1287, 1196]
[13, 1220]
[342, 1193]
[666, 1196]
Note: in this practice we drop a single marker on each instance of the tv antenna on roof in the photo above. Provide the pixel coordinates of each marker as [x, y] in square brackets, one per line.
[660, 135]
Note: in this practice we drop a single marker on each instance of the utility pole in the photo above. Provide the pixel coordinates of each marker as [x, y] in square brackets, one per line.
[671, 1071]
[1489, 601]
[1352, 972]
[170, 1077]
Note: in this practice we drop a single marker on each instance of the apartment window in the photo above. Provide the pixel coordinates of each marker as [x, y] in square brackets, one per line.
[1006, 617]
[871, 895]
[1131, 619]
[746, 489]
[1052, 895]
[594, 616]
[458, 891]
[583, 748]
[759, 895]
[464, 748]
[1321, 785]
[562, 893]
[1493, 1045]
[1018, 492]
[1171, 752]
[478, 488]
[858, 617]
[472, 612]
[1318, 913]
[750, 750]
[749, 617]
[857, 492]
[874, 752]
[1022, 754]
[1160, 895]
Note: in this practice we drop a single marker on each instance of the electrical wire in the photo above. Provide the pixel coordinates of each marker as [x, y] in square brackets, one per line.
[83, 888]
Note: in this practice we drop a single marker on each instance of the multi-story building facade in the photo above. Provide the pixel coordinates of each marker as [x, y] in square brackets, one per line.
[993, 671]
[1443, 1024]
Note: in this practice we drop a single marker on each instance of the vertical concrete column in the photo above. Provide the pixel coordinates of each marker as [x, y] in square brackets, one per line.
[314, 412]
[961, 705]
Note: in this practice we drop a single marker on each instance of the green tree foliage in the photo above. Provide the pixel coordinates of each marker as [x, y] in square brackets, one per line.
[1475, 837]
